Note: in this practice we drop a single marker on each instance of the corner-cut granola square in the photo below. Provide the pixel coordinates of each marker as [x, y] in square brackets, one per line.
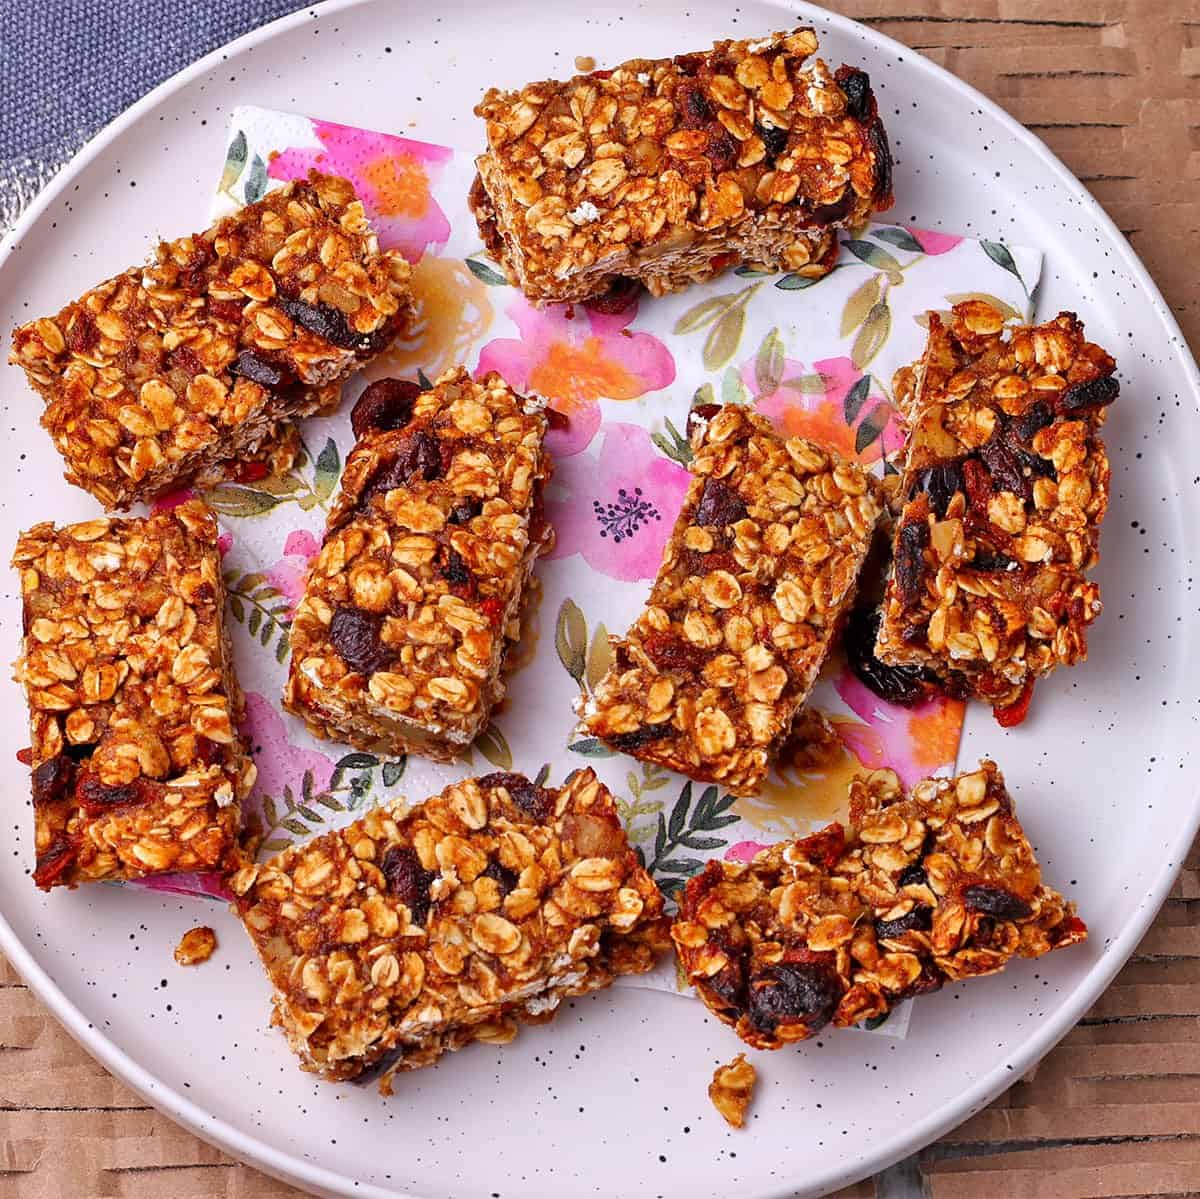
[757, 575]
[1004, 488]
[191, 365]
[941, 885]
[410, 606]
[137, 764]
[668, 170]
[413, 932]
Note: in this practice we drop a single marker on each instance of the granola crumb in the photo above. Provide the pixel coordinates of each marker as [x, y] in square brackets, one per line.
[585, 62]
[732, 1088]
[196, 946]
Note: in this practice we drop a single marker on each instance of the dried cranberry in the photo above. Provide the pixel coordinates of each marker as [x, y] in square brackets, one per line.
[1013, 714]
[1095, 393]
[251, 472]
[904, 685]
[225, 310]
[209, 752]
[701, 412]
[25, 754]
[95, 795]
[1032, 421]
[628, 742]
[720, 505]
[977, 483]
[465, 511]
[774, 139]
[722, 150]
[386, 405]
[1002, 464]
[357, 637]
[910, 561]
[504, 878]
[621, 295]
[824, 848]
[83, 335]
[258, 370]
[669, 652]
[533, 800]
[418, 457]
[52, 780]
[693, 106]
[557, 420]
[995, 901]
[919, 919]
[940, 482]
[791, 991]
[913, 876]
[860, 102]
[408, 880]
[54, 863]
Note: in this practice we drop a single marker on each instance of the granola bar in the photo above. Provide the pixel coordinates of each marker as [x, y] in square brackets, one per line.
[756, 576]
[669, 170]
[410, 606]
[940, 886]
[189, 366]
[413, 932]
[1005, 485]
[137, 765]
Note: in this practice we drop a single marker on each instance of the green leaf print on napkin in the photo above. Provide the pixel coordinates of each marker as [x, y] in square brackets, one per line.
[683, 829]
[263, 609]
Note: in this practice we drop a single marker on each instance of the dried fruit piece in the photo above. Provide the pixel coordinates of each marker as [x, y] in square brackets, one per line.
[196, 946]
[52, 780]
[794, 992]
[732, 1088]
[533, 800]
[385, 405]
[408, 880]
[995, 901]
[1095, 393]
[621, 295]
[720, 505]
[904, 685]
[911, 544]
[357, 637]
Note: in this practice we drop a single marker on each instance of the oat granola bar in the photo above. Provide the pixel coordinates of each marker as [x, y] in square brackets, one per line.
[190, 366]
[137, 765]
[411, 604]
[669, 170]
[756, 576]
[940, 886]
[414, 932]
[1005, 485]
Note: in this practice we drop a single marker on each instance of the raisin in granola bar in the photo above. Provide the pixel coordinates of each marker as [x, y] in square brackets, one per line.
[137, 765]
[1005, 485]
[189, 366]
[410, 606]
[756, 576]
[669, 170]
[940, 886]
[414, 932]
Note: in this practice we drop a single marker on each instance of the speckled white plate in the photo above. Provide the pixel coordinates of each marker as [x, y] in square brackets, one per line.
[610, 1099]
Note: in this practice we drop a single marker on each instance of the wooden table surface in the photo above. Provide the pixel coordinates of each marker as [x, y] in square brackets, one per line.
[1113, 86]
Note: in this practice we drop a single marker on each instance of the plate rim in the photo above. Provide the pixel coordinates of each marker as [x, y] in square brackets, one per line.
[299, 1172]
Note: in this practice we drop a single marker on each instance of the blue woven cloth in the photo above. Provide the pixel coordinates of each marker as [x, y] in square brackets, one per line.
[67, 67]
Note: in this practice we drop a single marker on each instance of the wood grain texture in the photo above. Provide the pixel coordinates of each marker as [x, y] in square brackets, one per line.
[1113, 86]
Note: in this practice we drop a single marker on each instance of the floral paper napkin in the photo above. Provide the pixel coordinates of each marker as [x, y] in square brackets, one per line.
[816, 358]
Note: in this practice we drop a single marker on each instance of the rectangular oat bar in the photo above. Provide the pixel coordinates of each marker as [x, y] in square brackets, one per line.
[757, 575]
[137, 764]
[939, 886]
[189, 366]
[668, 170]
[415, 931]
[1004, 488]
[400, 639]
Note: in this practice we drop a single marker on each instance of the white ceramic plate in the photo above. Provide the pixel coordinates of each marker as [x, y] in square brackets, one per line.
[610, 1099]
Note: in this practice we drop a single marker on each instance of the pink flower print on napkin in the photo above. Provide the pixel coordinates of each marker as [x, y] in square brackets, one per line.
[932, 242]
[811, 402]
[287, 576]
[744, 851]
[619, 506]
[575, 360]
[280, 763]
[915, 742]
[392, 175]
